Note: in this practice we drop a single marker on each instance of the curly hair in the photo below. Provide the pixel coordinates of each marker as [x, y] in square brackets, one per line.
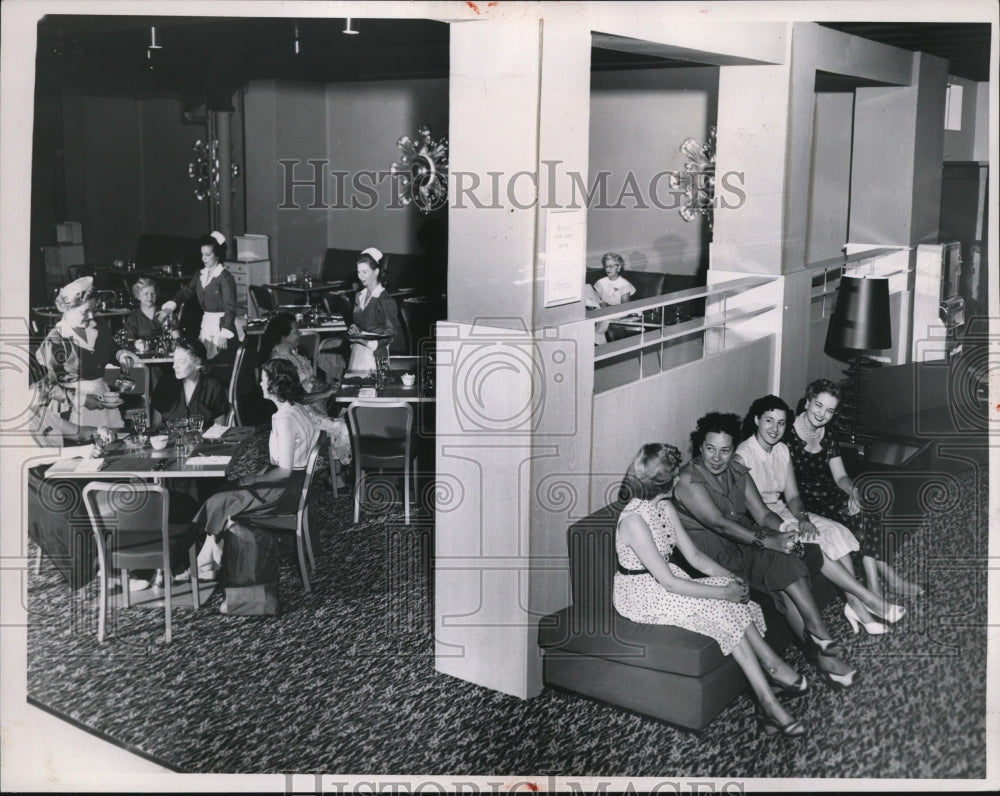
[141, 284]
[766, 403]
[276, 330]
[218, 249]
[615, 258]
[652, 471]
[714, 423]
[815, 389]
[74, 294]
[283, 381]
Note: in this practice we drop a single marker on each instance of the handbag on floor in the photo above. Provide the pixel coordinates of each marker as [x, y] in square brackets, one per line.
[250, 571]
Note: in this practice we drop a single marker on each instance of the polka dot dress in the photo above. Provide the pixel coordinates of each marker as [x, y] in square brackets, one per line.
[642, 599]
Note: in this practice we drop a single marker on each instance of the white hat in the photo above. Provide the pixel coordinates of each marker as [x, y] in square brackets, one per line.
[374, 253]
[219, 237]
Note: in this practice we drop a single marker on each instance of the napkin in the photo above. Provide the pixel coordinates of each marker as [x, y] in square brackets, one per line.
[90, 466]
[208, 461]
[215, 432]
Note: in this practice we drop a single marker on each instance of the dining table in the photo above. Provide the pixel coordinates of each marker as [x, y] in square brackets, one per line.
[213, 457]
[356, 386]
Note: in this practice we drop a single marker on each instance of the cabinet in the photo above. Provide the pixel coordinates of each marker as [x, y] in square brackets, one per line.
[58, 259]
[246, 273]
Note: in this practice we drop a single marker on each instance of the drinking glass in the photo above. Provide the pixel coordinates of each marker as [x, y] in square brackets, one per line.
[195, 424]
[140, 423]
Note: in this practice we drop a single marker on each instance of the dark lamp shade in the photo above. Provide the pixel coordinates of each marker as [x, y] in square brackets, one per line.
[860, 320]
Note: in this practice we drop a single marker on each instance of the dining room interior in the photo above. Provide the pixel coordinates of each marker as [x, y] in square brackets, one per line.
[408, 635]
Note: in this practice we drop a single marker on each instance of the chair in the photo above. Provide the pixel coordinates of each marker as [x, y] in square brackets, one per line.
[382, 436]
[297, 522]
[136, 516]
[248, 407]
[340, 303]
[263, 299]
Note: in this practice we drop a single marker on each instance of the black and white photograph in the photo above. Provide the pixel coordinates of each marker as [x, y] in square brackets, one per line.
[494, 397]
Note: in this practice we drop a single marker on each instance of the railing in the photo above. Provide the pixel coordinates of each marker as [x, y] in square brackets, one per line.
[659, 333]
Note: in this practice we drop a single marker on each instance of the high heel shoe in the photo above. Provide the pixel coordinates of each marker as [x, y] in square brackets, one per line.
[892, 613]
[827, 648]
[770, 726]
[871, 628]
[799, 688]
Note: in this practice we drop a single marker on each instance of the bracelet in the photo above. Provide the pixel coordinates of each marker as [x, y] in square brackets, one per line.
[758, 539]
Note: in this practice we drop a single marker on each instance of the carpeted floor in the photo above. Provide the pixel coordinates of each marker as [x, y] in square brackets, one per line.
[344, 681]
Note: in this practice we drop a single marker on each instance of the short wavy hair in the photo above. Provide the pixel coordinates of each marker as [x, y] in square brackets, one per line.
[766, 403]
[613, 257]
[141, 284]
[652, 471]
[283, 381]
[714, 423]
[815, 389]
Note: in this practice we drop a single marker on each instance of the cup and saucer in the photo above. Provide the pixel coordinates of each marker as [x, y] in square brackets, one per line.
[111, 400]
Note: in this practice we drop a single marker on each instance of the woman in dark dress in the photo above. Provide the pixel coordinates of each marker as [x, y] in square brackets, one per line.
[726, 518]
[189, 390]
[375, 311]
[143, 322]
[215, 289]
[827, 489]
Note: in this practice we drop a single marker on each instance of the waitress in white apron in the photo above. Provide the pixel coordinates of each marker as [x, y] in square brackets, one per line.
[74, 354]
[215, 289]
[374, 311]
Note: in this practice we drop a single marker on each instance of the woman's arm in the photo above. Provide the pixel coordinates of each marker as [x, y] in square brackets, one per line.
[227, 283]
[699, 502]
[846, 484]
[692, 554]
[386, 315]
[758, 509]
[282, 468]
[795, 505]
[184, 292]
[635, 533]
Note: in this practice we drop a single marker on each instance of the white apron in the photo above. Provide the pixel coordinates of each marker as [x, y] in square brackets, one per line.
[363, 356]
[211, 333]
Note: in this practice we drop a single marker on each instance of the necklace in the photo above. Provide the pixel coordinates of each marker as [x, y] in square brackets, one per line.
[807, 430]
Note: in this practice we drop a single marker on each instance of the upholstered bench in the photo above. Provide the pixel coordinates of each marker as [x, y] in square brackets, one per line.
[665, 672]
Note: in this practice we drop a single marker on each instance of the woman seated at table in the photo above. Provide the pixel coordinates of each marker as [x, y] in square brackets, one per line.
[726, 519]
[189, 391]
[215, 289]
[281, 341]
[769, 462]
[375, 312]
[650, 590]
[278, 488]
[144, 321]
[826, 487]
[74, 354]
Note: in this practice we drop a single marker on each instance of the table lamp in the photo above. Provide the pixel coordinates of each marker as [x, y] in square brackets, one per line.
[860, 322]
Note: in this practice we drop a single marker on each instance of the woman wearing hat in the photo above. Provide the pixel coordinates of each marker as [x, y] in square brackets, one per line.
[74, 354]
[215, 289]
[375, 312]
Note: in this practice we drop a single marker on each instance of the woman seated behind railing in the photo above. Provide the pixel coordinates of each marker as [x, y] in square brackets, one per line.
[650, 590]
[769, 462]
[723, 513]
[276, 489]
[189, 391]
[144, 322]
[281, 340]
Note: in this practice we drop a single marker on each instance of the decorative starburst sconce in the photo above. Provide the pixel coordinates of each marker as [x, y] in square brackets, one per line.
[421, 175]
[205, 170]
[698, 180]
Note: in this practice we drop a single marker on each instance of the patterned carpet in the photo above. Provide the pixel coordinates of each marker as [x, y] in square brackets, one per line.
[344, 680]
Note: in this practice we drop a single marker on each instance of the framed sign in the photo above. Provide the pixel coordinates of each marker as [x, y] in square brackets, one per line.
[565, 252]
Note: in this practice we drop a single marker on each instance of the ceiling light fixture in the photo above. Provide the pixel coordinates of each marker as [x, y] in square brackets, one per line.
[152, 45]
[348, 29]
[296, 38]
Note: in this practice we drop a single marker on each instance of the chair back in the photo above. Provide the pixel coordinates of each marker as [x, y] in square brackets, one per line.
[310, 470]
[239, 363]
[382, 422]
[340, 303]
[262, 298]
[126, 507]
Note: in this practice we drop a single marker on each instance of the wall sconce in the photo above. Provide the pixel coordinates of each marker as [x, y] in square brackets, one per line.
[152, 45]
[206, 170]
[421, 175]
[697, 183]
[348, 30]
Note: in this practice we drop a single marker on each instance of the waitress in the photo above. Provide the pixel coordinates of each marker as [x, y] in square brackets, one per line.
[215, 289]
[74, 354]
[375, 311]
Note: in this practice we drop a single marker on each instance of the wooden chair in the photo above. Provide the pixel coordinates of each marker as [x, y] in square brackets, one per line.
[298, 523]
[381, 437]
[136, 518]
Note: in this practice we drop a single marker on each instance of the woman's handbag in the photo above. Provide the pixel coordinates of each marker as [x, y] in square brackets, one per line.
[250, 571]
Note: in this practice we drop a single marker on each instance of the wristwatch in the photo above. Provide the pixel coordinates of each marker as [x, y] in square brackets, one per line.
[758, 539]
